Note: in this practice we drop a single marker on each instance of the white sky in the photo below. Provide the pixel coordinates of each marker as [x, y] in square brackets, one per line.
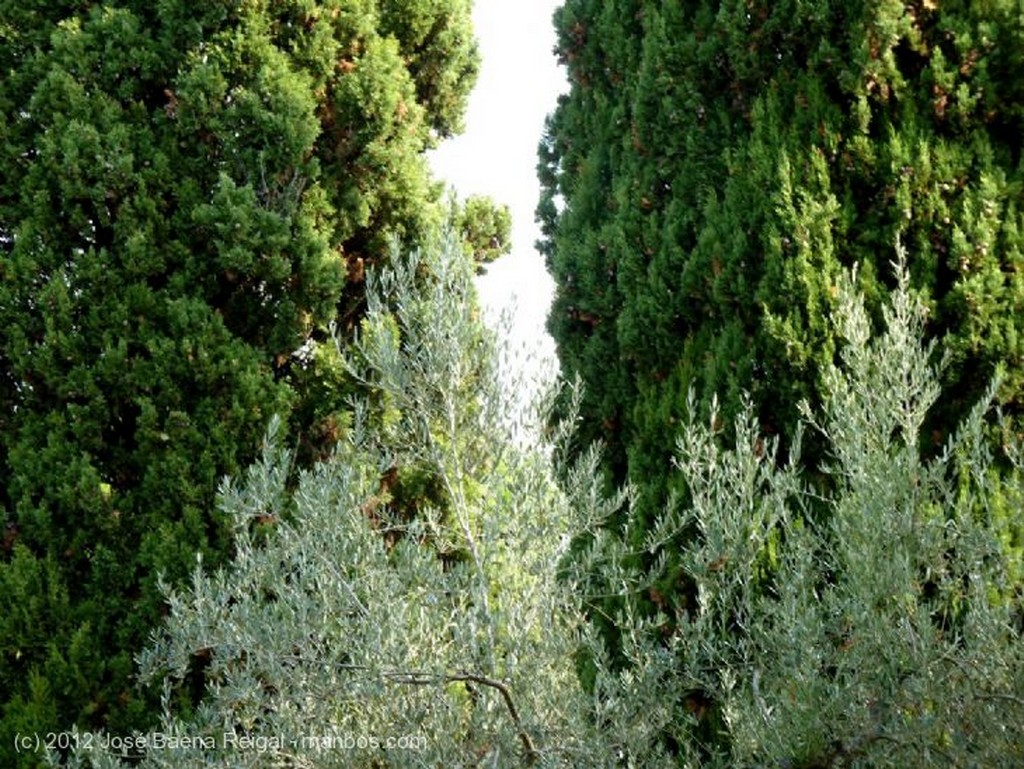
[518, 86]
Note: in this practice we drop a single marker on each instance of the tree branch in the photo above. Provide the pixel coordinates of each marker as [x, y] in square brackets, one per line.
[420, 679]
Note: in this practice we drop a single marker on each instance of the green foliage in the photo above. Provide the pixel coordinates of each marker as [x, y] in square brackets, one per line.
[717, 164]
[436, 37]
[349, 621]
[188, 197]
[486, 228]
[878, 635]
[715, 168]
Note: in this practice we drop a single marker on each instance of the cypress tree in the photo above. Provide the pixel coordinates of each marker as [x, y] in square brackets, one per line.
[713, 170]
[715, 166]
[189, 196]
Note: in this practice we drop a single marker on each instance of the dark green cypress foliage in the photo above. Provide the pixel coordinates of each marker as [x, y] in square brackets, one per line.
[189, 195]
[717, 164]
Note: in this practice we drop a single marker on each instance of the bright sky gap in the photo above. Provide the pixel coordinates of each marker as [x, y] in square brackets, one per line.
[518, 86]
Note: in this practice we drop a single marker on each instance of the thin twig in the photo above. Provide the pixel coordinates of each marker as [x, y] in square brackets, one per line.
[531, 749]
[422, 678]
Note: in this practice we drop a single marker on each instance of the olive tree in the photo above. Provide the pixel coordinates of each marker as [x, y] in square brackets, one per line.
[877, 626]
[401, 605]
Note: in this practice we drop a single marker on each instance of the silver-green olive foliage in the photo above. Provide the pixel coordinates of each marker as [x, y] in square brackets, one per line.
[348, 639]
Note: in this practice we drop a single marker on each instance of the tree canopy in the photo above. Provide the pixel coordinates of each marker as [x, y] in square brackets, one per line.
[350, 636]
[715, 166]
[189, 197]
